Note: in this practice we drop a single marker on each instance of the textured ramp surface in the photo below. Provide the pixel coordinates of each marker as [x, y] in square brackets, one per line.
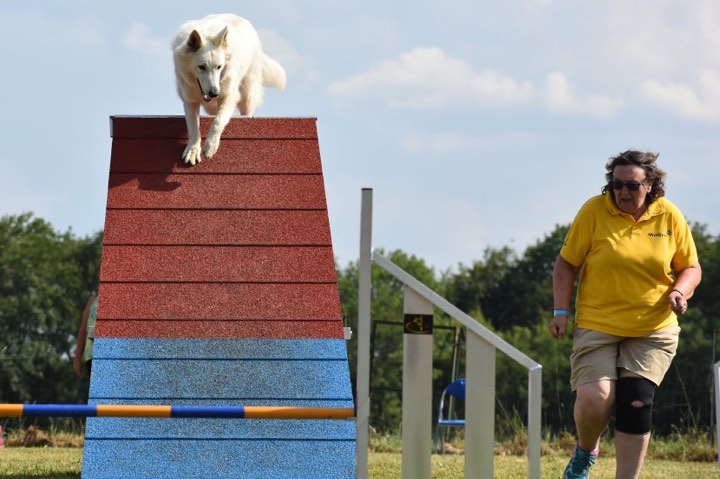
[218, 287]
[237, 240]
[232, 459]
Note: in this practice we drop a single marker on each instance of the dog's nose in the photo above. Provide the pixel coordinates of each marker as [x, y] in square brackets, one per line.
[213, 94]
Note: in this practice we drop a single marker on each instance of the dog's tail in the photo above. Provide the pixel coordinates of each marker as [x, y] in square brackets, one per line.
[273, 73]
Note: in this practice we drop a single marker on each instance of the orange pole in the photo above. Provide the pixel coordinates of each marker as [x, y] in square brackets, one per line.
[104, 410]
[11, 410]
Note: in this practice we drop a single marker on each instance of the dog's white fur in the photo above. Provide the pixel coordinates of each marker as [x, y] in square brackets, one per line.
[219, 63]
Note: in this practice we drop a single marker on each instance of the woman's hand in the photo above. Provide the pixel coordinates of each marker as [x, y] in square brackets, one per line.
[677, 301]
[557, 326]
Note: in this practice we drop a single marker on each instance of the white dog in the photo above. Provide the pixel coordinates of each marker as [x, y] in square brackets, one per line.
[219, 63]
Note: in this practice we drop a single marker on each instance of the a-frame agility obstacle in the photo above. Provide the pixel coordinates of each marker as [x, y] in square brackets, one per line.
[218, 287]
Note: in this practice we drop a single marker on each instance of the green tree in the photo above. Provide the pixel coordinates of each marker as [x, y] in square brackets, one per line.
[507, 289]
[706, 299]
[387, 333]
[471, 288]
[45, 279]
[682, 401]
[512, 379]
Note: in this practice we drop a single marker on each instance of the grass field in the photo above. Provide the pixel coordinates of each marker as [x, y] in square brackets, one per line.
[65, 463]
[690, 456]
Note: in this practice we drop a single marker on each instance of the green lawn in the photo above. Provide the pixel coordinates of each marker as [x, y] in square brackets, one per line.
[36, 462]
[388, 466]
[64, 463]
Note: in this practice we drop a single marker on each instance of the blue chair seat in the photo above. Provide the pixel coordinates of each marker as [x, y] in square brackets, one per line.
[457, 390]
[453, 422]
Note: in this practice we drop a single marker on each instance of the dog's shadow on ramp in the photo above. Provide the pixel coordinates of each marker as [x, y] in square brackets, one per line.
[148, 171]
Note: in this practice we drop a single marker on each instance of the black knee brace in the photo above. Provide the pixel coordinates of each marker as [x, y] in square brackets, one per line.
[629, 418]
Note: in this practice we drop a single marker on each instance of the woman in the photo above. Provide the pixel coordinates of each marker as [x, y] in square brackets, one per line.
[638, 266]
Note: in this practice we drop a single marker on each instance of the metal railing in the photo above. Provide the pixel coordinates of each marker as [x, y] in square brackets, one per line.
[480, 374]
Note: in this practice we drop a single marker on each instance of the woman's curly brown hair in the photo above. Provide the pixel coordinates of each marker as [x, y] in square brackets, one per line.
[646, 161]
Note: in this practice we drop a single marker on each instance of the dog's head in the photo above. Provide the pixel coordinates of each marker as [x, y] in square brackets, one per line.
[209, 57]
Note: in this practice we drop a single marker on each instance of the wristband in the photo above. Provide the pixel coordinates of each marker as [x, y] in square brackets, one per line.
[678, 291]
[560, 312]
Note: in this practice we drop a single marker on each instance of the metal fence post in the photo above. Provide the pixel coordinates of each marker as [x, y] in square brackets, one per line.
[479, 407]
[417, 386]
[716, 370]
[363, 335]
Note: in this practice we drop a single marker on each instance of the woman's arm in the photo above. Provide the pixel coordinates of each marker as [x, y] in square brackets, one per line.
[563, 277]
[686, 280]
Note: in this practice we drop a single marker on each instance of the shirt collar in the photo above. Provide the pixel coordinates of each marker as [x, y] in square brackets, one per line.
[655, 208]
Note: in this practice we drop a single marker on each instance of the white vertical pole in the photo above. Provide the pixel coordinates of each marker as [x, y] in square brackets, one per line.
[363, 335]
[479, 407]
[534, 421]
[716, 369]
[417, 387]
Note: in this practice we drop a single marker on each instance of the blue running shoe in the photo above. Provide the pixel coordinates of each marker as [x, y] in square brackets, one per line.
[579, 465]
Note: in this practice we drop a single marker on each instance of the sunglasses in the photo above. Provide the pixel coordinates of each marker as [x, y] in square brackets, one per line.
[630, 185]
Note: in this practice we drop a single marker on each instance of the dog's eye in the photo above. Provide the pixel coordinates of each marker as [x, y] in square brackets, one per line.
[202, 67]
[219, 67]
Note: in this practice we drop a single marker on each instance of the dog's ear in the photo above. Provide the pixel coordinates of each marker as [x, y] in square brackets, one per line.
[194, 42]
[221, 38]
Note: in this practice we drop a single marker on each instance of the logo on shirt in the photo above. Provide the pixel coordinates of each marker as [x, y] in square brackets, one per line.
[665, 234]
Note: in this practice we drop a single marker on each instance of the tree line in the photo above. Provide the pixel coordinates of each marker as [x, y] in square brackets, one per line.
[46, 277]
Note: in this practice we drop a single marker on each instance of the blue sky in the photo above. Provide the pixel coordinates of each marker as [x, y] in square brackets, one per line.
[477, 123]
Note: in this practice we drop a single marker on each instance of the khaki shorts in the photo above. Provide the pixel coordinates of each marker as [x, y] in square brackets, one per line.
[597, 356]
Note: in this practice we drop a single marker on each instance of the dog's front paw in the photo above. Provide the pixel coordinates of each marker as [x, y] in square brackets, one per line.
[211, 146]
[191, 154]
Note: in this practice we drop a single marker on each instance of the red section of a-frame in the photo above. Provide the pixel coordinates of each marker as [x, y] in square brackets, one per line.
[237, 246]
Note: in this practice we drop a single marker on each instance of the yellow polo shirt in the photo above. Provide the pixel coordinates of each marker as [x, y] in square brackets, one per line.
[627, 266]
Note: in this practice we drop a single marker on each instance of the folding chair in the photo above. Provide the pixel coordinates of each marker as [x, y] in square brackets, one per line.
[455, 389]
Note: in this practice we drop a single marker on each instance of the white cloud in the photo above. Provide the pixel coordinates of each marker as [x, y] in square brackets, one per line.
[138, 38]
[427, 78]
[701, 103]
[560, 98]
[707, 16]
[284, 52]
[439, 144]
[663, 38]
[473, 143]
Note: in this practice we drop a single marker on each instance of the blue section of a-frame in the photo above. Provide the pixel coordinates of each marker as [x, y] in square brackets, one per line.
[269, 372]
